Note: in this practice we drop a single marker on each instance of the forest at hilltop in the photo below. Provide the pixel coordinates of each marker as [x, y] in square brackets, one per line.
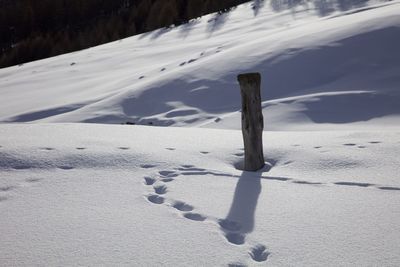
[32, 30]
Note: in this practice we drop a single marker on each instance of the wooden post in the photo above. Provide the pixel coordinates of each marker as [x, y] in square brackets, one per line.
[252, 121]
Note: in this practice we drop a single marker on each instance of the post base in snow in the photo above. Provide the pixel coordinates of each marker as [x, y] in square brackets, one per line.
[252, 121]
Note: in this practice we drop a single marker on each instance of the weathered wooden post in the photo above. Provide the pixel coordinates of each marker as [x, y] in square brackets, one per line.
[252, 121]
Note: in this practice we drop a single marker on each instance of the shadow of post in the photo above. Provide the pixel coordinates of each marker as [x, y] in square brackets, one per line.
[244, 203]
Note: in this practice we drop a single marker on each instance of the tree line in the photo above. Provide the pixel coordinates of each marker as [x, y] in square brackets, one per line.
[36, 29]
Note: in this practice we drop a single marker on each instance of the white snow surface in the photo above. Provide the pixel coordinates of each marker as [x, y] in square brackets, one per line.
[80, 194]
[318, 73]
[74, 194]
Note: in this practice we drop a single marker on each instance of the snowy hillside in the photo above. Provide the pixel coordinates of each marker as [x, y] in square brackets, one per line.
[333, 70]
[80, 194]
[95, 195]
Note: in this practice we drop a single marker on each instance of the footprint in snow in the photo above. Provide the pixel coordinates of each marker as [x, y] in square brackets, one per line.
[194, 216]
[235, 238]
[149, 181]
[22, 167]
[349, 144]
[168, 174]
[306, 182]
[33, 180]
[123, 148]
[204, 152]
[375, 142]
[155, 199]
[391, 188]
[288, 162]
[167, 180]
[171, 148]
[81, 148]
[259, 253]
[47, 148]
[186, 166]
[147, 166]
[354, 184]
[160, 189]
[182, 206]
[236, 265]
[6, 188]
[65, 167]
[229, 225]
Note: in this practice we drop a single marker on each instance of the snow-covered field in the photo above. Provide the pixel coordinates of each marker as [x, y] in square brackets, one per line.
[121, 195]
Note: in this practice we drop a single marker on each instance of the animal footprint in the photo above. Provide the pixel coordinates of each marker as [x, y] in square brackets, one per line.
[389, 188]
[168, 173]
[235, 238]
[149, 180]
[47, 148]
[81, 148]
[349, 144]
[147, 166]
[123, 148]
[22, 167]
[306, 182]
[156, 199]
[167, 180]
[353, 184]
[229, 225]
[194, 216]
[259, 253]
[182, 206]
[33, 180]
[6, 188]
[236, 265]
[187, 166]
[204, 152]
[65, 167]
[160, 189]
[171, 148]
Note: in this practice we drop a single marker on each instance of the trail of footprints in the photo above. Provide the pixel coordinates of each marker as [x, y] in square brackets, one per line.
[230, 229]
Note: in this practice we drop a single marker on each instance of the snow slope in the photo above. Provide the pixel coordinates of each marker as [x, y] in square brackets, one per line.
[91, 195]
[84, 194]
[335, 71]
